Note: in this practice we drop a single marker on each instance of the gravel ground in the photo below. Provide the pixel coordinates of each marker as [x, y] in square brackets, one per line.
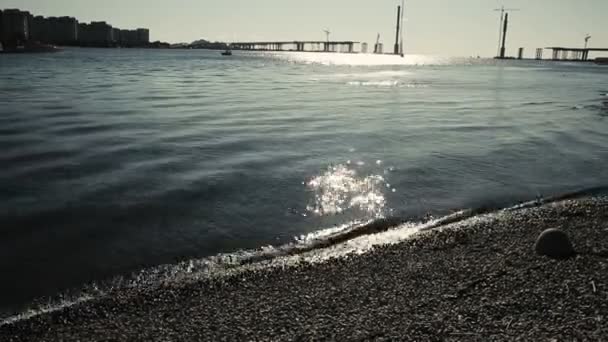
[479, 282]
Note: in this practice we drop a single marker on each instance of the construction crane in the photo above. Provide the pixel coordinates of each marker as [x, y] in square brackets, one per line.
[587, 40]
[327, 33]
[502, 18]
[401, 50]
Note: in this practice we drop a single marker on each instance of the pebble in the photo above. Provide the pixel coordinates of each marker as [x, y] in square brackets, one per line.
[555, 244]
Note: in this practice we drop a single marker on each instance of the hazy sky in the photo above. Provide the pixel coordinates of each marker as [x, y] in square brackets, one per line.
[444, 27]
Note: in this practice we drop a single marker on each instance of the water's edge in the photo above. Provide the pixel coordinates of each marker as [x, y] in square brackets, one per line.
[320, 246]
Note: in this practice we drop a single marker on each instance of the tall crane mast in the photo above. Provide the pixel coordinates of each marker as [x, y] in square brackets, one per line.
[327, 33]
[377, 46]
[402, 49]
[502, 11]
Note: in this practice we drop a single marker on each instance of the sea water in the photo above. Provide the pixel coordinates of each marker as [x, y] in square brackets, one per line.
[119, 160]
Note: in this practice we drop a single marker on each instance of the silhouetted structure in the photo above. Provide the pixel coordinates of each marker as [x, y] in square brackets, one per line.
[326, 48]
[303, 46]
[396, 49]
[133, 38]
[205, 44]
[116, 36]
[502, 11]
[143, 36]
[379, 48]
[99, 33]
[95, 34]
[20, 28]
[573, 54]
[504, 36]
[60, 31]
[364, 48]
[128, 38]
[539, 53]
[15, 27]
[520, 53]
[39, 31]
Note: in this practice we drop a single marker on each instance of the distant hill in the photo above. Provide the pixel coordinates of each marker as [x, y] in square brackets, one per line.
[200, 42]
[205, 44]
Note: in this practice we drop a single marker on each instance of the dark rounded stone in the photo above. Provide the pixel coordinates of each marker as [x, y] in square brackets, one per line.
[555, 244]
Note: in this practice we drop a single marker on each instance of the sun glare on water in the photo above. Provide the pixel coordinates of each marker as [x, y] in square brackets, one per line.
[362, 59]
[340, 188]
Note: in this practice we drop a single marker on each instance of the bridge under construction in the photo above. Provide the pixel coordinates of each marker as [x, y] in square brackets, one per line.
[327, 45]
[573, 54]
[302, 46]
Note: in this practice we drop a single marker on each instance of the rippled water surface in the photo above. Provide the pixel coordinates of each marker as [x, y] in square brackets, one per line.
[119, 160]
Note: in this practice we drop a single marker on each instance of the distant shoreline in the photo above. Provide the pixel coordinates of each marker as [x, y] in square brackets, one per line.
[46, 48]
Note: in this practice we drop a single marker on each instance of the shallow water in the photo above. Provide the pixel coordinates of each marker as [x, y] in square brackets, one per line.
[119, 160]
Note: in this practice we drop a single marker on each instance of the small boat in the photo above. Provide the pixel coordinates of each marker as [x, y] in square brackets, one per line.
[601, 61]
[227, 53]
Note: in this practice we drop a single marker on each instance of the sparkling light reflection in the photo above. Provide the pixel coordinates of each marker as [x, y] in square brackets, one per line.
[340, 188]
[356, 58]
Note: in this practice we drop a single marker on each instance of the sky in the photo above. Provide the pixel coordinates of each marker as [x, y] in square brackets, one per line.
[435, 27]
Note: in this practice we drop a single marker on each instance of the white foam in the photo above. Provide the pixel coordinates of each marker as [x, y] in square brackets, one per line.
[223, 265]
[386, 83]
[301, 250]
[324, 233]
[49, 308]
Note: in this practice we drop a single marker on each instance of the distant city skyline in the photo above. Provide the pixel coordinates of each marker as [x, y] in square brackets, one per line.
[439, 27]
[27, 29]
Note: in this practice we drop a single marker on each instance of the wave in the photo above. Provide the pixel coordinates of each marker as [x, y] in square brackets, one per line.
[319, 246]
[539, 103]
[601, 108]
[373, 74]
[387, 83]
